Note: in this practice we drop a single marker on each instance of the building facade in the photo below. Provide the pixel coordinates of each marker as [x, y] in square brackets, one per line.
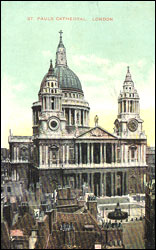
[150, 160]
[64, 150]
[150, 216]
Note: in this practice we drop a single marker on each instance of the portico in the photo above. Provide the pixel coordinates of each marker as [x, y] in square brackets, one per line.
[93, 152]
[101, 183]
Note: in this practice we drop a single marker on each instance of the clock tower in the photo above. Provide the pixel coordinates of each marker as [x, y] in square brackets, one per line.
[128, 123]
[51, 117]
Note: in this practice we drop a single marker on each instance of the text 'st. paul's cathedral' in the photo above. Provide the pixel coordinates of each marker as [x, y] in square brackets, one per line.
[64, 150]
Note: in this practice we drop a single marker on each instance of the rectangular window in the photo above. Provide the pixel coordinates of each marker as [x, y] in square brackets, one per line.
[133, 153]
[9, 189]
[52, 105]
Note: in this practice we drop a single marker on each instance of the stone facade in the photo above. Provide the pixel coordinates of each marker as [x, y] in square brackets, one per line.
[150, 159]
[64, 150]
[150, 216]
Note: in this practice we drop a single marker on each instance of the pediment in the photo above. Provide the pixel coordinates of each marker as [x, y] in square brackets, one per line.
[97, 132]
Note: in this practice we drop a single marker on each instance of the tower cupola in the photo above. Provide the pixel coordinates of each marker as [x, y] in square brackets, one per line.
[61, 59]
[128, 122]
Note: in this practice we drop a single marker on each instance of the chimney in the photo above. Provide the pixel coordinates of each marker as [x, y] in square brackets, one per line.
[92, 205]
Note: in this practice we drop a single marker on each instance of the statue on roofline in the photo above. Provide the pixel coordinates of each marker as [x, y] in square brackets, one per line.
[96, 119]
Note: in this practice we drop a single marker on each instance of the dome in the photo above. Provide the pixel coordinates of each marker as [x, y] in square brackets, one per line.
[67, 79]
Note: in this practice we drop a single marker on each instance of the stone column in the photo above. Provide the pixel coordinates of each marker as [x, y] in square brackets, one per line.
[40, 153]
[121, 153]
[80, 122]
[141, 153]
[144, 153]
[76, 153]
[67, 147]
[101, 153]
[116, 152]
[100, 184]
[80, 175]
[104, 152]
[123, 183]
[33, 118]
[126, 184]
[92, 182]
[63, 155]
[75, 117]
[112, 185]
[126, 153]
[88, 179]
[115, 183]
[130, 155]
[88, 153]
[80, 153]
[69, 117]
[42, 102]
[92, 154]
[122, 107]
[77, 181]
[43, 154]
[84, 122]
[134, 106]
[104, 184]
[48, 101]
[17, 153]
[46, 155]
[127, 106]
[56, 103]
[112, 152]
[87, 118]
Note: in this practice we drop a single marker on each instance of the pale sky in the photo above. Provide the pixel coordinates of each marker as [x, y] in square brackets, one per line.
[97, 51]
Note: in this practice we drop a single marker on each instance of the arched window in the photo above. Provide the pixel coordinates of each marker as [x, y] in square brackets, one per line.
[24, 153]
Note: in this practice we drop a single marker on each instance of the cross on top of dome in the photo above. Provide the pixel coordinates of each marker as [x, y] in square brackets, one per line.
[61, 32]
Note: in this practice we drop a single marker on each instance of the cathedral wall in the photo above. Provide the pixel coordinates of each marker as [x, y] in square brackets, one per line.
[137, 179]
[50, 179]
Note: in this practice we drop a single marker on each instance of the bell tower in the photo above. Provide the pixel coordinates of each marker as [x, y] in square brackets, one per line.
[51, 119]
[128, 122]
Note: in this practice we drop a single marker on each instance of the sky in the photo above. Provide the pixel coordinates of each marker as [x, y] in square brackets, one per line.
[98, 51]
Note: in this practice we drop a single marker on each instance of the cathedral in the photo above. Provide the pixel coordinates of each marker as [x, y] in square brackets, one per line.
[64, 150]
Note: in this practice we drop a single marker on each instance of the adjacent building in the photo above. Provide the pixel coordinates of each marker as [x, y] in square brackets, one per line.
[150, 216]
